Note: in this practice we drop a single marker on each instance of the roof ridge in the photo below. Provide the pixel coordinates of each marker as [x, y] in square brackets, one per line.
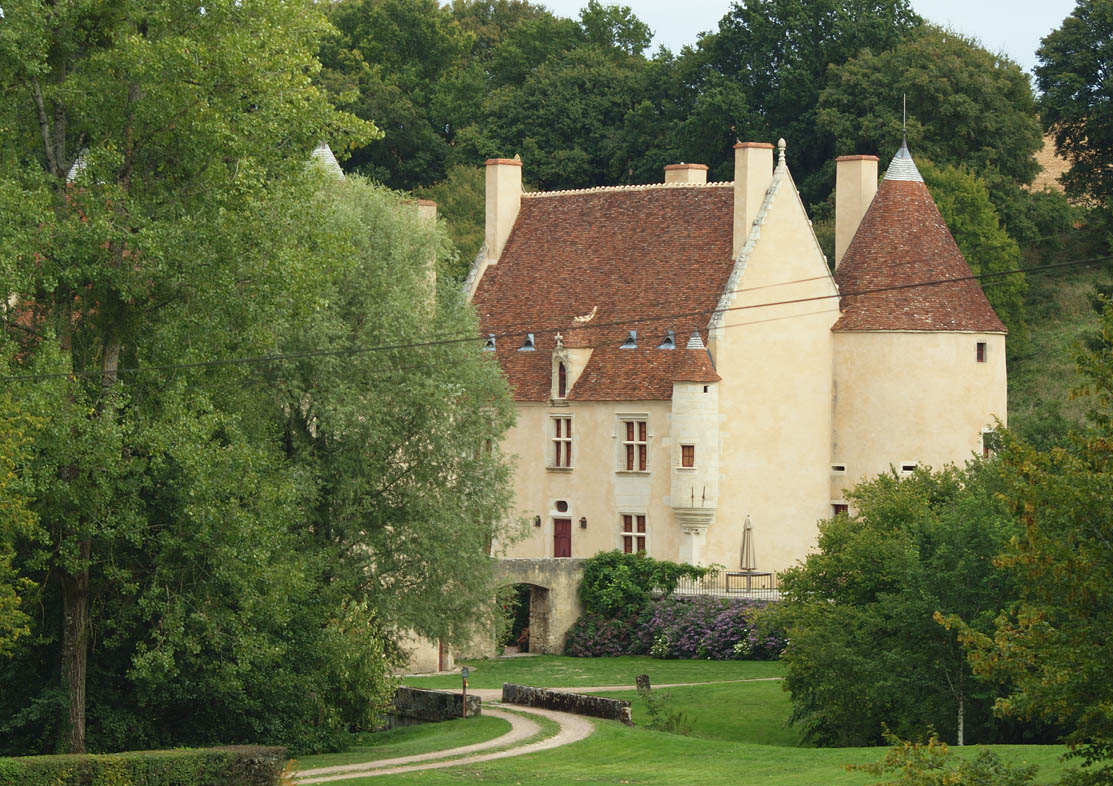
[641, 187]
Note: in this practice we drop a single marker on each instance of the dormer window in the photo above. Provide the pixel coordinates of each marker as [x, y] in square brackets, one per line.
[562, 381]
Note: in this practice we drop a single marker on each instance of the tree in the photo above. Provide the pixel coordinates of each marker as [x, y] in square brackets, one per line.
[1076, 104]
[966, 106]
[864, 649]
[461, 202]
[1053, 646]
[780, 52]
[963, 201]
[614, 26]
[143, 145]
[17, 523]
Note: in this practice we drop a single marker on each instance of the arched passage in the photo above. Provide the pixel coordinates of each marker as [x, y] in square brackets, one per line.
[553, 597]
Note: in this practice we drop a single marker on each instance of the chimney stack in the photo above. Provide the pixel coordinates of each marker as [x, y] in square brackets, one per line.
[504, 199]
[753, 174]
[855, 185]
[686, 173]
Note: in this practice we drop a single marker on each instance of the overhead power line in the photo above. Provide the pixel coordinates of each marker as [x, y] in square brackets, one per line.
[518, 330]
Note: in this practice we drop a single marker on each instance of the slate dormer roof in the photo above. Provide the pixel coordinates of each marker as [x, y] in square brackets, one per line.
[644, 258]
[903, 241]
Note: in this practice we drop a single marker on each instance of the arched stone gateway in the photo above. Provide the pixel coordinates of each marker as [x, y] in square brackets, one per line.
[554, 597]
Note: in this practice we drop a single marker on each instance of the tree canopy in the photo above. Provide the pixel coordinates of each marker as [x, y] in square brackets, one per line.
[1076, 104]
[232, 491]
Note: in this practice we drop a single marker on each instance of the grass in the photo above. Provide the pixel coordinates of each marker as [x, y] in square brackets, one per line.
[617, 755]
[750, 711]
[412, 740]
[558, 671]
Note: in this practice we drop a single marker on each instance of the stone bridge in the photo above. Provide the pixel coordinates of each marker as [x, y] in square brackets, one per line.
[554, 601]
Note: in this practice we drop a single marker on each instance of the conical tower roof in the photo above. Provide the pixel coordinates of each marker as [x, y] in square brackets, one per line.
[901, 243]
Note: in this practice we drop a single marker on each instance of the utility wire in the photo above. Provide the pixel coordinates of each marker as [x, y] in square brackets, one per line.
[511, 333]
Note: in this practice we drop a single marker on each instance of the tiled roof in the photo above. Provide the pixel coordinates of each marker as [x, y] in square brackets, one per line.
[903, 241]
[631, 259]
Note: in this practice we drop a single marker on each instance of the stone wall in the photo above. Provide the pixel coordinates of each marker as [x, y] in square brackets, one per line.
[577, 703]
[433, 705]
[554, 599]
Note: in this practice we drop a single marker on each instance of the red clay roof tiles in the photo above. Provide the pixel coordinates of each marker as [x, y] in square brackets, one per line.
[903, 241]
[637, 258]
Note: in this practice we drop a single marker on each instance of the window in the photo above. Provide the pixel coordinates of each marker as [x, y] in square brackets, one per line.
[980, 352]
[562, 442]
[687, 455]
[633, 533]
[907, 469]
[562, 381]
[839, 507]
[635, 445]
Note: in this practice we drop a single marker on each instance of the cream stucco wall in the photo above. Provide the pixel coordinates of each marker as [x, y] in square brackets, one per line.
[912, 397]
[594, 487]
[775, 398]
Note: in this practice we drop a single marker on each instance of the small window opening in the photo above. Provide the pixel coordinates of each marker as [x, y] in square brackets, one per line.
[839, 507]
[705, 388]
[838, 467]
[907, 468]
[562, 381]
[562, 506]
[669, 342]
[631, 341]
[687, 455]
[980, 351]
[527, 345]
[489, 344]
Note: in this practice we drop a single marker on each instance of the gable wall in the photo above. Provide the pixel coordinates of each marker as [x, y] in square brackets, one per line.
[775, 397]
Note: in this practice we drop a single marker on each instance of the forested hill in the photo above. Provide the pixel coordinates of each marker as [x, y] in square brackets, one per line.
[585, 103]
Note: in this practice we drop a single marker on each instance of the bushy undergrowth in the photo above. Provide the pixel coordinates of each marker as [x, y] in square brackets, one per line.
[686, 628]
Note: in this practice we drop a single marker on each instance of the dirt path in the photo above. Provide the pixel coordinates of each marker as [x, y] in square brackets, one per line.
[572, 729]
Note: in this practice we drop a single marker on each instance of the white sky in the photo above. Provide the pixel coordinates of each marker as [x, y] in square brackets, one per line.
[1012, 27]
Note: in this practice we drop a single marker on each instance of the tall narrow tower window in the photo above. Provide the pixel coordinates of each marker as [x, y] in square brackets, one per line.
[562, 381]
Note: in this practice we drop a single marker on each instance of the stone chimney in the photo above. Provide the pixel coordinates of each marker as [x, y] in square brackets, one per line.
[504, 199]
[686, 173]
[855, 185]
[753, 173]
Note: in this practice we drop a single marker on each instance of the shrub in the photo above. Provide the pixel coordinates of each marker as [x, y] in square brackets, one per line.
[597, 636]
[619, 585]
[932, 764]
[707, 628]
[244, 765]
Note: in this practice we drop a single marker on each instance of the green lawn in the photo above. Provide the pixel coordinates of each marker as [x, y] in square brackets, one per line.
[750, 711]
[558, 671]
[738, 732]
[412, 740]
[616, 754]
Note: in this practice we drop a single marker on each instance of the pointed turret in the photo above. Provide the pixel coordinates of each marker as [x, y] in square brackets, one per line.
[901, 245]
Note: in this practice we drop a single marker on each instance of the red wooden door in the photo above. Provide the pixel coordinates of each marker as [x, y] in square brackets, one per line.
[562, 537]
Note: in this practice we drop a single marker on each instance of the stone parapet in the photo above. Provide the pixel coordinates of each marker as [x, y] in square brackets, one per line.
[576, 703]
[433, 705]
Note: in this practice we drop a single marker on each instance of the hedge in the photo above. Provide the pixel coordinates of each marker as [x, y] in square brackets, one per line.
[240, 765]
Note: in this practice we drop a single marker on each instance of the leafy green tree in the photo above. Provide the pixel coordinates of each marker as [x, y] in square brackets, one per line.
[1076, 102]
[780, 52]
[17, 524]
[615, 26]
[966, 106]
[401, 65]
[964, 203]
[1054, 646]
[864, 649]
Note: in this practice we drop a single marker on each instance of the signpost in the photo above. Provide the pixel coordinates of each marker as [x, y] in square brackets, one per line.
[464, 673]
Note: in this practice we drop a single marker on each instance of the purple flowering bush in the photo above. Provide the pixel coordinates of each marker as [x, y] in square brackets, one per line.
[706, 628]
[597, 636]
[684, 628]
